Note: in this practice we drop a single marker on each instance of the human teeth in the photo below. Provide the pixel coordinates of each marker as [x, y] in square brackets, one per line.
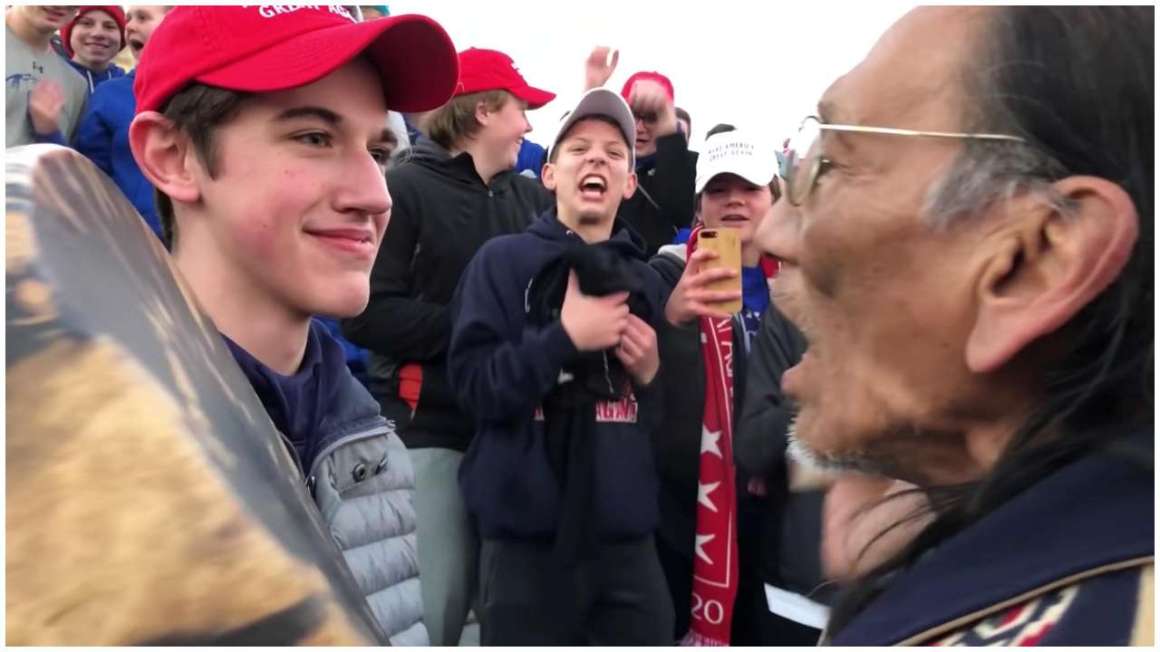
[592, 181]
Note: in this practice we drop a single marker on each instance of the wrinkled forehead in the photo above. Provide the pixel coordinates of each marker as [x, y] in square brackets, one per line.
[914, 76]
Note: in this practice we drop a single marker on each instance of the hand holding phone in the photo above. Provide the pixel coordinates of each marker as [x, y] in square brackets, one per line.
[698, 292]
[726, 243]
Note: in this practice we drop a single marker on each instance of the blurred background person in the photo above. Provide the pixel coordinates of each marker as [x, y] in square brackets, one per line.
[663, 202]
[103, 134]
[45, 96]
[92, 40]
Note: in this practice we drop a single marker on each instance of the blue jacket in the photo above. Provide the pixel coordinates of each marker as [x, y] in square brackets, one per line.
[95, 79]
[1063, 563]
[103, 136]
[503, 367]
[531, 158]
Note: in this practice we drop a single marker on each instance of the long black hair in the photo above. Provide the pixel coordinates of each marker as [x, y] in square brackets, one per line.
[1077, 84]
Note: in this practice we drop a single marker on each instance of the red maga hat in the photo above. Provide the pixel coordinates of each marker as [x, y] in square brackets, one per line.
[491, 70]
[260, 49]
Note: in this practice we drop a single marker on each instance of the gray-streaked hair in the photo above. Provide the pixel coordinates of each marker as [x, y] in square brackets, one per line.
[988, 172]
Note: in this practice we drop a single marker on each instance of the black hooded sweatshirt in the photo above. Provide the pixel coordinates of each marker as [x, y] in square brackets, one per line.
[663, 201]
[442, 214]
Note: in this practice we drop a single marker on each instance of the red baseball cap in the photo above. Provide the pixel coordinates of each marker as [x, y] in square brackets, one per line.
[491, 70]
[115, 12]
[260, 49]
[647, 75]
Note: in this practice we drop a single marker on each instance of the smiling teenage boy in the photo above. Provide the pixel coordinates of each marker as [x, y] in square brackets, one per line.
[551, 347]
[262, 131]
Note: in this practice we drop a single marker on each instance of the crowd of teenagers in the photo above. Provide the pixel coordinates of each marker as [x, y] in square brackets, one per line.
[537, 404]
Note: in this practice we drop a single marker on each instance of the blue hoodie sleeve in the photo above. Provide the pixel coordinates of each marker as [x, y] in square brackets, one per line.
[500, 375]
[94, 135]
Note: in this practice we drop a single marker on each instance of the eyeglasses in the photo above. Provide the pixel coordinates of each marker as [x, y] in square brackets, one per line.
[802, 162]
[647, 118]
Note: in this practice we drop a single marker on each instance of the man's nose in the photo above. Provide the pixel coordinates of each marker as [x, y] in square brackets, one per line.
[780, 232]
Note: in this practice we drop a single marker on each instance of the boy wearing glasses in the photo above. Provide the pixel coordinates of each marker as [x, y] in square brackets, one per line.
[663, 202]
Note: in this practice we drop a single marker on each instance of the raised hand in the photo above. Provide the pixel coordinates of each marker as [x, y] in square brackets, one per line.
[45, 103]
[650, 100]
[599, 67]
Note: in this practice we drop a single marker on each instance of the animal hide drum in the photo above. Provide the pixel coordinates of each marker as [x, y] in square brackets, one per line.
[150, 500]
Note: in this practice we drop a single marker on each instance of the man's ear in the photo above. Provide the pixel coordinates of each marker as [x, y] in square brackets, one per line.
[630, 187]
[165, 156]
[548, 176]
[1048, 265]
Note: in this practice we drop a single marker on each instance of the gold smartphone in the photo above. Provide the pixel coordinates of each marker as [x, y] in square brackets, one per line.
[727, 244]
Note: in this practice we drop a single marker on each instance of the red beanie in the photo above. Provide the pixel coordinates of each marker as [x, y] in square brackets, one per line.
[115, 12]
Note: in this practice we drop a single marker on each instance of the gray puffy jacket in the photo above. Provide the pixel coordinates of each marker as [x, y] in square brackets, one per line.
[364, 485]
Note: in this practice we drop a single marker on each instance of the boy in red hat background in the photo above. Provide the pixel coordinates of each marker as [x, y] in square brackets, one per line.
[92, 39]
[664, 200]
[262, 130]
[456, 189]
[103, 132]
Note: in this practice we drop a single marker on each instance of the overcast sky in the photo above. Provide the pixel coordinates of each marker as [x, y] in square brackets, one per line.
[759, 65]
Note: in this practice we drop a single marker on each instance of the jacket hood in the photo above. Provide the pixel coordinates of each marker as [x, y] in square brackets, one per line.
[549, 227]
[460, 167]
[428, 152]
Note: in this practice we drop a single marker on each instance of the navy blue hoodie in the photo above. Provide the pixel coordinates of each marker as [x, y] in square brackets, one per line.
[297, 404]
[503, 367]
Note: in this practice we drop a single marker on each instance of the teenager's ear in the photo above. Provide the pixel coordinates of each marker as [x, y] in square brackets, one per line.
[630, 187]
[165, 156]
[482, 114]
[548, 176]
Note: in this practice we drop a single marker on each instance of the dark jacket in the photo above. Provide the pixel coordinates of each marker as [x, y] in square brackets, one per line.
[1065, 562]
[358, 472]
[793, 519]
[663, 201]
[503, 368]
[103, 136]
[442, 215]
